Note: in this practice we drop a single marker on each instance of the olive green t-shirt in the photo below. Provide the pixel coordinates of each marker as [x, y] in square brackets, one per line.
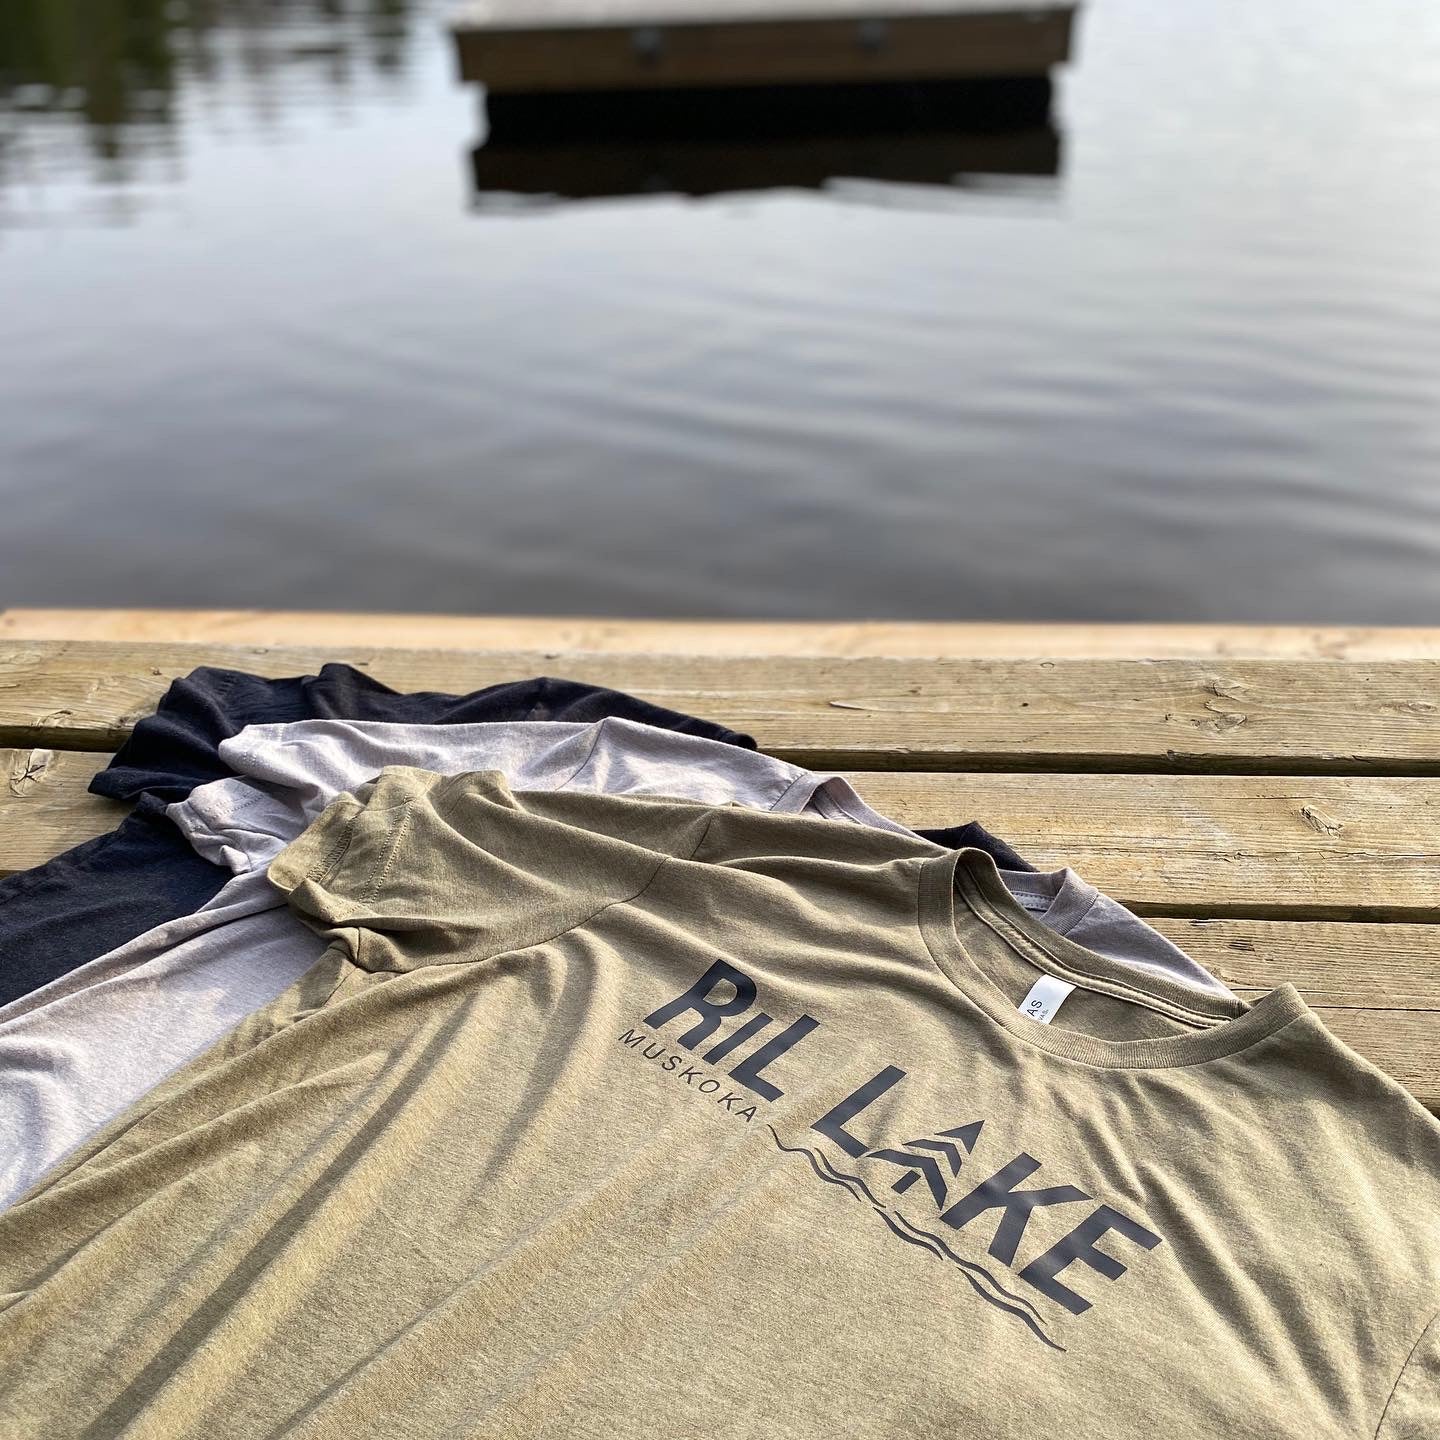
[610, 1118]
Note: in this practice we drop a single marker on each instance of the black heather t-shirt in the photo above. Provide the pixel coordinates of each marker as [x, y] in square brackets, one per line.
[96, 897]
[103, 893]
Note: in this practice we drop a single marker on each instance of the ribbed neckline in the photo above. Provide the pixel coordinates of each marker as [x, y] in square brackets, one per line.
[969, 877]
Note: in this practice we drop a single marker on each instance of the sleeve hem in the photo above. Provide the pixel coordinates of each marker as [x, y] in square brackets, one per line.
[317, 853]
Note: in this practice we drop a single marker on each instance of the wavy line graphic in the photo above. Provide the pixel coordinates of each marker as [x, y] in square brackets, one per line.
[905, 1236]
[812, 1158]
[913, 1235]
[971, 1265]
[824, 1159]
[965, 1264]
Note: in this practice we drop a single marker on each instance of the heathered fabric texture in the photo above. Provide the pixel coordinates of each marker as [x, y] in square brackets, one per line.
[106, 892]
[76, 1052]
[613, 1117]
[301, 768]
[95, 897]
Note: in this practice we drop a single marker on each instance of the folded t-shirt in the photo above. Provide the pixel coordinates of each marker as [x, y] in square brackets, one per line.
[77, 1051]
[605, 1115]
[102, 894]
[295, 771]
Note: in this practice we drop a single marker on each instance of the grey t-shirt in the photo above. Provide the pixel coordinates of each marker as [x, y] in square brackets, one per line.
[75, 1053]
[304, 765]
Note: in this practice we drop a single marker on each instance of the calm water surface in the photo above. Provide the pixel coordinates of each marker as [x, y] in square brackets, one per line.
[263, 344]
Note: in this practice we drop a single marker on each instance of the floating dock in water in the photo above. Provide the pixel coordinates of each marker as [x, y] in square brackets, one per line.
[542, 46]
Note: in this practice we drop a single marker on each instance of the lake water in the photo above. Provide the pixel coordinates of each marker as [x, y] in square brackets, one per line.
[264, 344]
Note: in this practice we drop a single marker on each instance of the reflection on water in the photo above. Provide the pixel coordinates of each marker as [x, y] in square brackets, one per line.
[107, 64]
[706, 142]
[92, 85]
[261, 346]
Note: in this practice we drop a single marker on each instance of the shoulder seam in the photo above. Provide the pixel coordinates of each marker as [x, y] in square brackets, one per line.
[626, 899]
[610, 904]
[1400, 1374]
[589, 755]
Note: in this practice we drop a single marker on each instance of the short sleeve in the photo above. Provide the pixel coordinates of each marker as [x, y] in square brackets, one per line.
[172, 751]
[1413, 1412]
[421, 869]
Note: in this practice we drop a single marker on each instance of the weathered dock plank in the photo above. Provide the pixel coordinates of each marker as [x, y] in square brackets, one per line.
[1266, 796]
[1344, 965]
[1263, 876]
[1257, 716]
[528, 46]
[44, 805]
[985, 639]
[1314, 847]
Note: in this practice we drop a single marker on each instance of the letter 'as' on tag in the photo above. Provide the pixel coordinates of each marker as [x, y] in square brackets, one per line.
[1046, 996]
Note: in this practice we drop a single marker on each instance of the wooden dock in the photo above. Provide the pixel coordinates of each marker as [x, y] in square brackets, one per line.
[1269, 798]
[533, 46]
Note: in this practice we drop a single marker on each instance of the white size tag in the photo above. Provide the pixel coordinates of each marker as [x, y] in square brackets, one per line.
[1046, 996]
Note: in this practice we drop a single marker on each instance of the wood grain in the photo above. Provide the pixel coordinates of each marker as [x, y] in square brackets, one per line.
[44, 807]
[1317, 847]
[1003, 640]
[1271, 716]
[1344, 965]
[1377, 987]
